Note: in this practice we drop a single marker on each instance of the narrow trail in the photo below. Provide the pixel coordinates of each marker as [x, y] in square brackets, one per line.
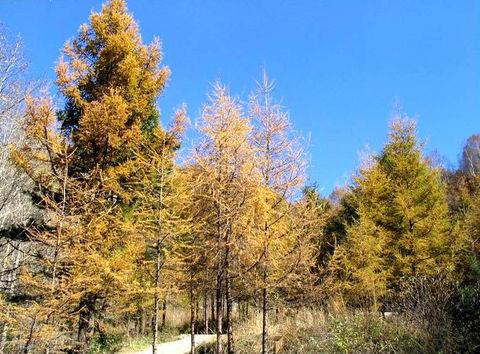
[180, 346]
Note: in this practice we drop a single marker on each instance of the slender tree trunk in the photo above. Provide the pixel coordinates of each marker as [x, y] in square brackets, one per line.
[224, 305]
[83, 325]
[156, 304]
[212, 304]
[245, 310]
[219, 280]
[129, 326]
[164, 312]
[87, 306]
[192, 320]
[264, 315]
[155, 324]
[143, 320]
[197, 308]
[218, 314]
[26, 347]
[205, 312]
[228, 298]
[264, 288]
[158, 264]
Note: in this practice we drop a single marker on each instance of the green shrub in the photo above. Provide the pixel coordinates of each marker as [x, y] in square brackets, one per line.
[370, 333]
[358, 333]
[106, 343]
[466, 317]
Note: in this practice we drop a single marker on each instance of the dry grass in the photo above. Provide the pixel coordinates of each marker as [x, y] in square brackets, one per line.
[248, 333]
[310, 330]
[177, 316]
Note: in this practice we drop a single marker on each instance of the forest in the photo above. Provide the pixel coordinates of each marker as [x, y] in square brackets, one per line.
[112, 242]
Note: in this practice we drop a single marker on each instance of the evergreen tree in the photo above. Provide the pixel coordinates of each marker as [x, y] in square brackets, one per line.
[224, 171]
[280, 165]
[154, 185]
[463, 189]
[45, 280]
[403, 228]
[110, 81]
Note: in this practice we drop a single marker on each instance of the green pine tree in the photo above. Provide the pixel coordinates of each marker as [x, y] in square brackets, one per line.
[110, 81]
[402, 226]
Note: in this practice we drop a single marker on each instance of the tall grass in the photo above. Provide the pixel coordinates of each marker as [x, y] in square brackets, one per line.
[310, 330]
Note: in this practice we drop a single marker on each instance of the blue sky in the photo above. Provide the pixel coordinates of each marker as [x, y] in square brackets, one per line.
[339, 65]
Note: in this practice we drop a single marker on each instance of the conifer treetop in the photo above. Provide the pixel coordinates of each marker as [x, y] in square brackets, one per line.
[106, 56]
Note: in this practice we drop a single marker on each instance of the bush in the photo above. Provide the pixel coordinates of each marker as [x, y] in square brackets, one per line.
[106, 343]
[356, 333]
[466, 317]
[312, 331]
[431, 315]
[426, 303]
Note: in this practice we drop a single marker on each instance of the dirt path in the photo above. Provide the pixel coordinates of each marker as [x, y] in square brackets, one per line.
[180, 346]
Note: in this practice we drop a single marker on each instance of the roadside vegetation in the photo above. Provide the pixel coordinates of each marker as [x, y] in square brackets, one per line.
[109, 241]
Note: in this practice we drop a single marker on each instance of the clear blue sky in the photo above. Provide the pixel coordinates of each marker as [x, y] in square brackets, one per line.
[339, 65]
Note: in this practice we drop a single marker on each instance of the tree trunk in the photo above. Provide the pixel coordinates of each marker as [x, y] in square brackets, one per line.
[228, 298]
[197, 309]
[224, 306]
[155, 324]
[156, 304]
[164, 312]
[26, 347]
[192, 321]
[83, 326]
[205, 312]
[264, 319]
[228, 295]
[158, 265]
[87, 307]
[264, 291]
[218, 314]
[143, 322]
[212, 304]
[219, 280]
